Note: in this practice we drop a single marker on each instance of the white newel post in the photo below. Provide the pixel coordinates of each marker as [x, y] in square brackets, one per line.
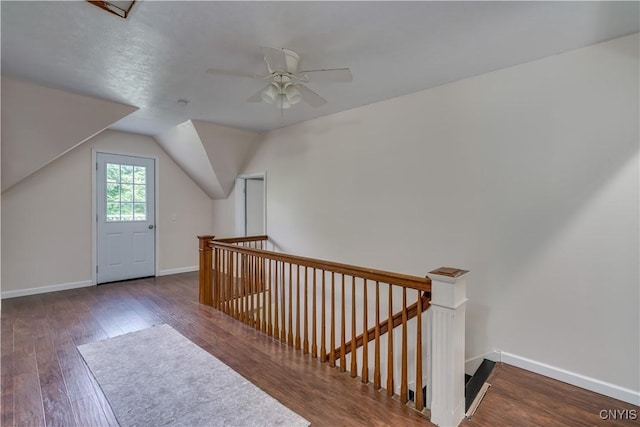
[448, 298]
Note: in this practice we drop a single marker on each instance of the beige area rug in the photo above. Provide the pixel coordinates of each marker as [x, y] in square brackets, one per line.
[157, 377]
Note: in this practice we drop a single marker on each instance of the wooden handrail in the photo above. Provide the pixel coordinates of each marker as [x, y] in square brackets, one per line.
[412, 282]
[412, 311]
[242, 239]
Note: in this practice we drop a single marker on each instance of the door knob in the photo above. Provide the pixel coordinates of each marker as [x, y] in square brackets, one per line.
[151, 227]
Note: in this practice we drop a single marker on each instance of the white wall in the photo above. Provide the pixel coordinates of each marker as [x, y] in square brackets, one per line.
[526, 176]
[223, 216]
[46, 218]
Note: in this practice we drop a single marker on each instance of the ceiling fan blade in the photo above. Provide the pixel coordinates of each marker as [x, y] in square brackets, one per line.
[276, 59]
[221, 72]
[310, 97]
[329, 75]
[257, 97]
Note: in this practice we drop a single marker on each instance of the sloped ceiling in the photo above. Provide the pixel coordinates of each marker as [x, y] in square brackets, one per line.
[161, 52]
[228, 150]
[40, 124]
[212, 155]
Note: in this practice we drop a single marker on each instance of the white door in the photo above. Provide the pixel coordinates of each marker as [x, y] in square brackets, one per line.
[125, 209]
[254, 207]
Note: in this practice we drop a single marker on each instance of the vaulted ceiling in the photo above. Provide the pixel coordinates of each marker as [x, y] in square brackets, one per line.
[161, 52]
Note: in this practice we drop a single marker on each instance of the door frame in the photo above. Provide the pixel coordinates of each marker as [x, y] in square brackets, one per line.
[240, 201]
[94, 207]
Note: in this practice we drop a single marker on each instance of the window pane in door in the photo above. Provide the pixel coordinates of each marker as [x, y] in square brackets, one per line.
[113, 212]
[126, 173]
[126, 212]
[139, 175]
[140, 211]
[126, 193]
[113, 173]
[113, 192]
[140, 193]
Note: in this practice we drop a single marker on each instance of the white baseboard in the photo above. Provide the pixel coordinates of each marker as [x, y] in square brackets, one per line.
[592, 384]
[45, 289]
[177, 270]
[471, 365]
[82, 284]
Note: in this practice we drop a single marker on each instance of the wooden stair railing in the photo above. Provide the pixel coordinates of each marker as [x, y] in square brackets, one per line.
[304, 303]
[383, 327]
[256, 242]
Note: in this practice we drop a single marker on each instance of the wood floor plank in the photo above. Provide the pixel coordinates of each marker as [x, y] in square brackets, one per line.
[101, 400]
[7, 418]
[91, 330]
[28, 409]
[88, 412]
[6, 368]
[121, 313]
[6, 386]
[105, 319]
[75, 376]
[534, 400]
[149, 316]
[55, 402]
[27, 394]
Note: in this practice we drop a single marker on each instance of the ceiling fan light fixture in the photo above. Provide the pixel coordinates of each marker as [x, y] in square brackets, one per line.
[270, 93]
[282, 102]
[293, 94]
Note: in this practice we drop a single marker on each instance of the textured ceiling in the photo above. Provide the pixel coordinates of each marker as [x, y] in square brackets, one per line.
[161, 52]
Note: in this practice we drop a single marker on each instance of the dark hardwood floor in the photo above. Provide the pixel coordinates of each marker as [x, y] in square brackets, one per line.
[521, 398]
[46, 382]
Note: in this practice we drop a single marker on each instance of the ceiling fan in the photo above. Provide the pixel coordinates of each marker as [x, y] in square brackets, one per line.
[285, 86]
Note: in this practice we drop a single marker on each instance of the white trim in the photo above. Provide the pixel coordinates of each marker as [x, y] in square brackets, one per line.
[477, 400]
[94, 208]
[472, 364]
[94, 213]
[46, 289]
[591, 384]
[239, 212]
[240, 202]
[264, 196]
[156, 195]
[170, 271]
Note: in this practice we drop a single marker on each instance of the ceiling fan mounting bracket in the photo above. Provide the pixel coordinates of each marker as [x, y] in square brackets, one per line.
[292, 60]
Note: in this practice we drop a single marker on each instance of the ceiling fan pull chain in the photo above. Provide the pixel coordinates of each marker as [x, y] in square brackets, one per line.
[281, 114]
